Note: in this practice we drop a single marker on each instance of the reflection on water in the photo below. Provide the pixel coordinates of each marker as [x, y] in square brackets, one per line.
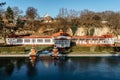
[83, 68]
[32, 60]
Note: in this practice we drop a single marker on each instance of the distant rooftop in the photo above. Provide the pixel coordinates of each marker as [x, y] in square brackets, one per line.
[46, 15]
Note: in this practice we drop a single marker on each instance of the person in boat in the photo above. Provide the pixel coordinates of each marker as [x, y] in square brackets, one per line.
[32, 51]
[55, 51]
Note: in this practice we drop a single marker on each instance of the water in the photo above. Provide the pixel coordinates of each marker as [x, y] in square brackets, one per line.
[83, 68]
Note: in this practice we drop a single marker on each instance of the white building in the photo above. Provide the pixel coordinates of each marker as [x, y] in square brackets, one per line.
[62, 39]
[59, 39]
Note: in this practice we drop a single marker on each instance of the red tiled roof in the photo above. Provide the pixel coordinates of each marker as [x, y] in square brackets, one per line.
[103, 36]
[107, 36]
[60, 33]
[87, 37]
[37, 36]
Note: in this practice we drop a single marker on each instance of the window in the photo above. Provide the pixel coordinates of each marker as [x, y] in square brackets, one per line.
[27, 40]
[19, 40]
[47, 40]
[40, 40]
[66, 41]
[33, 40]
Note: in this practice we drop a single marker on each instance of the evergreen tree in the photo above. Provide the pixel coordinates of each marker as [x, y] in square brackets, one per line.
[9, 13]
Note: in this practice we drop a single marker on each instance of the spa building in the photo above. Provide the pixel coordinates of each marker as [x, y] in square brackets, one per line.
[62, 40]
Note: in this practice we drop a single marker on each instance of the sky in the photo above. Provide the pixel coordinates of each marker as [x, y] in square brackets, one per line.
[52, 6]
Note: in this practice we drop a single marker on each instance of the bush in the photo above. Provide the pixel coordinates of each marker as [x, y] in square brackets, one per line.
[117, 49]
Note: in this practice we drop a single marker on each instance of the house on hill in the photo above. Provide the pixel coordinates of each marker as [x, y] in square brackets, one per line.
[47, 19]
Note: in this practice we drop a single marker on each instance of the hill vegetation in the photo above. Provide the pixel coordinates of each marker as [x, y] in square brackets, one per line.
[79, 23]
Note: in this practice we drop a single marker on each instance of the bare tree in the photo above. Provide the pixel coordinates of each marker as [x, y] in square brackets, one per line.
[62, 13]
[31, 13]
[16, 12]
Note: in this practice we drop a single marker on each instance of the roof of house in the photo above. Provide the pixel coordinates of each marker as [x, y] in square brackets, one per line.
[34, 36]
[103, 36]
[60, 33]
[46, 15]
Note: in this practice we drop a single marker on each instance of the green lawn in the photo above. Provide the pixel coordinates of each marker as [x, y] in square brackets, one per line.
[74, 49]
[20, 49]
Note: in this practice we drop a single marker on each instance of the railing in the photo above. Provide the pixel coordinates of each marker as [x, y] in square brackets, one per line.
[117, 40]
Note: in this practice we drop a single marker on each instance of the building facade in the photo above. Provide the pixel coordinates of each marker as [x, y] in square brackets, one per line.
[62, 39]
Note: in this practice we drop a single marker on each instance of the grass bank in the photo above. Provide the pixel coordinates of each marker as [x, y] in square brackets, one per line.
[94, 49]
[73, 50]
[12, 50]
[20, 49]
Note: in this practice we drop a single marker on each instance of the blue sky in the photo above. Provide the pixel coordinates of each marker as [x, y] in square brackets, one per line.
[52, 6]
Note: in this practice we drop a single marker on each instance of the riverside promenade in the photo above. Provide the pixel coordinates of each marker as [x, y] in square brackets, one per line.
[14, 55]
[91, 55]
[67, 55]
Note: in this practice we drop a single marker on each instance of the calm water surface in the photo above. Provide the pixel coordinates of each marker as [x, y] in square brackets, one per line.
[85, 68]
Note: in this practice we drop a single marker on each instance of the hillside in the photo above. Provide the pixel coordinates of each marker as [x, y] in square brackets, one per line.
[88, 23]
